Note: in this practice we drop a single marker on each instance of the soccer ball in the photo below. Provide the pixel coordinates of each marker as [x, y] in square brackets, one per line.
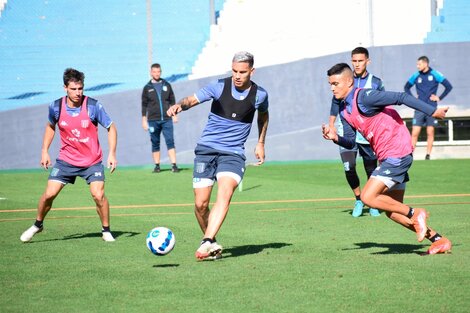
[160, 241]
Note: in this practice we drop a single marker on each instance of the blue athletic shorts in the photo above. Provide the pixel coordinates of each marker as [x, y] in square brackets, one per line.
[155, 130]
[422, 119]
[66, 173]
[209, 164]
[394, 171]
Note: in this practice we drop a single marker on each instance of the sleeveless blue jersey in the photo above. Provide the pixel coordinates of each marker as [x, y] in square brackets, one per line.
[227, 133]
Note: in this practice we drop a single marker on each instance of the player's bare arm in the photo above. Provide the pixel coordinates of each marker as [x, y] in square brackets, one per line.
[112, 143]
[331, 121]
[46, 143]
[263, 121]
[182, 105]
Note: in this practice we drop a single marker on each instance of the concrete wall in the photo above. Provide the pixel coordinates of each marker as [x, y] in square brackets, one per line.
[299, 98]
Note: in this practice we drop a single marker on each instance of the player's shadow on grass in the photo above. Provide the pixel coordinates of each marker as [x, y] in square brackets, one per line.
[181, 169]
[391, 248]
[252, 249]
[116, 234]
[251, 187]
[165, 265]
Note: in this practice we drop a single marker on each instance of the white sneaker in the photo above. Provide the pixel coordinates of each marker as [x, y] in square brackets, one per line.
[29, 233]
[107, 236]
[209, 251]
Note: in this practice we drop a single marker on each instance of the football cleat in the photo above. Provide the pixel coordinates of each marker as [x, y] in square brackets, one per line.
[442, 245]
[419, 223]
[107, 236]
[374, 212]
[29, 233]
[209, 251]
[357, 211]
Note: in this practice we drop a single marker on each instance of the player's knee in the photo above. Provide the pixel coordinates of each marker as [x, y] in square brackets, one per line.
[349, 166]
[201, 205]
[98, 196]
[170, 143]
[352, 178]
[49, 196]
[368, 198]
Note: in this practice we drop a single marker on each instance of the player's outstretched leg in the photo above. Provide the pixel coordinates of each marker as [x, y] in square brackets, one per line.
[53, 188]
[375, 194]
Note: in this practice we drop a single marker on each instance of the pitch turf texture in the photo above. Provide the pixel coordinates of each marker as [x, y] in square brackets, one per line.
[290, 242]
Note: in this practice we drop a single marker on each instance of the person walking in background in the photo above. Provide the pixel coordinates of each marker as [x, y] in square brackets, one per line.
[362, 79]
[427, 81]
[370, 112]
[77, 117]
[220, 152]
[157, 97]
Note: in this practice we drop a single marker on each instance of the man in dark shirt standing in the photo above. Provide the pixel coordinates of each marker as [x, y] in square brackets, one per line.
[427, 81]
[157, 97]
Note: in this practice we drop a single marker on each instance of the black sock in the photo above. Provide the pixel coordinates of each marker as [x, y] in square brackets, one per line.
[410, 213]
[157, 164]
[435, 238]
[38, 223]
[358, 197]
[105, 229]
[207, 239]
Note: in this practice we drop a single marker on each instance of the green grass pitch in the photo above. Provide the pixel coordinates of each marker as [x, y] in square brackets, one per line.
[290, 243]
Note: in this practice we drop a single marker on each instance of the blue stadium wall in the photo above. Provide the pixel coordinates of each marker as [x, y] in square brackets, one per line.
[299, 98]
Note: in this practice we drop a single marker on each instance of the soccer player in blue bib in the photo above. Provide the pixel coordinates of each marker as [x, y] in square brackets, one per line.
[220, 152]
[427, 81]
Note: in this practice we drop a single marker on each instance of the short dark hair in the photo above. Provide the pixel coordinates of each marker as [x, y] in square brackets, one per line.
[72, 75]
[360, 50]
[155, 65]
[423, 58]
[338, 69]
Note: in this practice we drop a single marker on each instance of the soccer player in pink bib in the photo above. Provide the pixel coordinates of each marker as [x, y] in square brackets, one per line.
[370, 112]
[77, 118]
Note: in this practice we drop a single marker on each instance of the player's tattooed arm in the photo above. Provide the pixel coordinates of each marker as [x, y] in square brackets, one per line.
[185, 103]
[182, 105]
[263, 121]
